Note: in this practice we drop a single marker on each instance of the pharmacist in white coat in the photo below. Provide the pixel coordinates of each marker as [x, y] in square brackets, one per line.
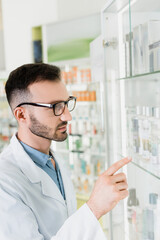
[37, 199]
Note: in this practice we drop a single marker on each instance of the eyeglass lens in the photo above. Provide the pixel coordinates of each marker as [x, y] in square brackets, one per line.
[71, 104]
[59, 107]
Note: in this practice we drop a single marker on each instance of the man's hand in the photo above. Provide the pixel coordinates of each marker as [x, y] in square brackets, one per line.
[109, 189]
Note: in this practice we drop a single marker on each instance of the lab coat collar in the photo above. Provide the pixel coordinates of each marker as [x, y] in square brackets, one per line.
[36, 174]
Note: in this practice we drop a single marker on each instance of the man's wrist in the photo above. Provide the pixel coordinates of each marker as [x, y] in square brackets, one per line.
[92, 208]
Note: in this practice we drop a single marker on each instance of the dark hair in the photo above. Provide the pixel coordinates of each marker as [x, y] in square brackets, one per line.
[20, 78]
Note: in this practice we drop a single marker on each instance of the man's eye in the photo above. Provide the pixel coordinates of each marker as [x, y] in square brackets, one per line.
[59, 106]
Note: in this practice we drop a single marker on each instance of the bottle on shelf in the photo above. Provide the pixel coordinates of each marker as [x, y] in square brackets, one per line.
[141, 133]
[130, 113]
[148, 218]
[156, 161]
[157, 221]
[86, 186]
[79, 184]
[83, 164]
[155, 131]
[141, 116]
[98, 167]
[135, 141]
[133, 215]
[146, 135]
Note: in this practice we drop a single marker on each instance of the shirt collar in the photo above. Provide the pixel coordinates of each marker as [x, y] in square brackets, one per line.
[49, 159]
[37, 156]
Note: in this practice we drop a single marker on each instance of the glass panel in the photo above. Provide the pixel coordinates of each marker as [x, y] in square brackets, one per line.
[116, 29]
[142, 111]
[140, 135]
[132, 55]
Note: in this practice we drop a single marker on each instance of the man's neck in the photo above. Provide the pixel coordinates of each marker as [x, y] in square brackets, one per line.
[36, 142]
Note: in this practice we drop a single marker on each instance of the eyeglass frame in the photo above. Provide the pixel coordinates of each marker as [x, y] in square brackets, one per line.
[49, 105]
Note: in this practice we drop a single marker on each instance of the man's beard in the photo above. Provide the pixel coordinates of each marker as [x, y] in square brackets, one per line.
[44, 131]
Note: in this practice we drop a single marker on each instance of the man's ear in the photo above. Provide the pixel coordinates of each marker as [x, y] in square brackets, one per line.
[20, 114]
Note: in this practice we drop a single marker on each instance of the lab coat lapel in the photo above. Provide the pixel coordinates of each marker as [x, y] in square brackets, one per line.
[33, 172]
[68, 186]
[49, 188]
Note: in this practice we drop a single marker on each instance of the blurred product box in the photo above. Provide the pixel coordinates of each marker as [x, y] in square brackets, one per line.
[127, 47]
[154, 50]
[89, 96]
[151, 45]
[76, 75]
[137, 50]
[146, 47]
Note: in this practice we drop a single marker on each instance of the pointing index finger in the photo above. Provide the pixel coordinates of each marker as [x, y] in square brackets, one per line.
[117, 165]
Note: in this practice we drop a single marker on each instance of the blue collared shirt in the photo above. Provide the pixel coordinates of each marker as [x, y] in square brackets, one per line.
[43, 161]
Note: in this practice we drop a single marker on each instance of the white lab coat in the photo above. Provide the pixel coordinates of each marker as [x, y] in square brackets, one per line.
[31, 205]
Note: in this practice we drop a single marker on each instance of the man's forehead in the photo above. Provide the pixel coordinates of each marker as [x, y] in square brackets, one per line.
[49, 91]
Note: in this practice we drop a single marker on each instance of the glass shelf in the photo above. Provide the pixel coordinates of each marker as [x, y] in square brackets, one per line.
[148, 168]
[77, 151]
[75, 135]
[101, 154]
[146, 75]
[150, 171]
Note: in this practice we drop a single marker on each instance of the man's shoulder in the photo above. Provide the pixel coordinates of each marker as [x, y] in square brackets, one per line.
[6, 158]
[10, 173]
[6, 152]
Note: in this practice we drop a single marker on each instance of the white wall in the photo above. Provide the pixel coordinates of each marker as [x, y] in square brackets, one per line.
[0, 15]
[18, 18]
[68, 9]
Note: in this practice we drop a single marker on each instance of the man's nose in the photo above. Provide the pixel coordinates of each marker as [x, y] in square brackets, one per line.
[66, 116]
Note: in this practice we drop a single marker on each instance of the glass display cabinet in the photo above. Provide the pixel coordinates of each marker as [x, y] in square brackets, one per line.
[131, 40]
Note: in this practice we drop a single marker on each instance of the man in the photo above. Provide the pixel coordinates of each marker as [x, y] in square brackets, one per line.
[36, 195]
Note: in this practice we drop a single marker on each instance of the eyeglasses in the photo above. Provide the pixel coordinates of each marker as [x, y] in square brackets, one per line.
[58, 108]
